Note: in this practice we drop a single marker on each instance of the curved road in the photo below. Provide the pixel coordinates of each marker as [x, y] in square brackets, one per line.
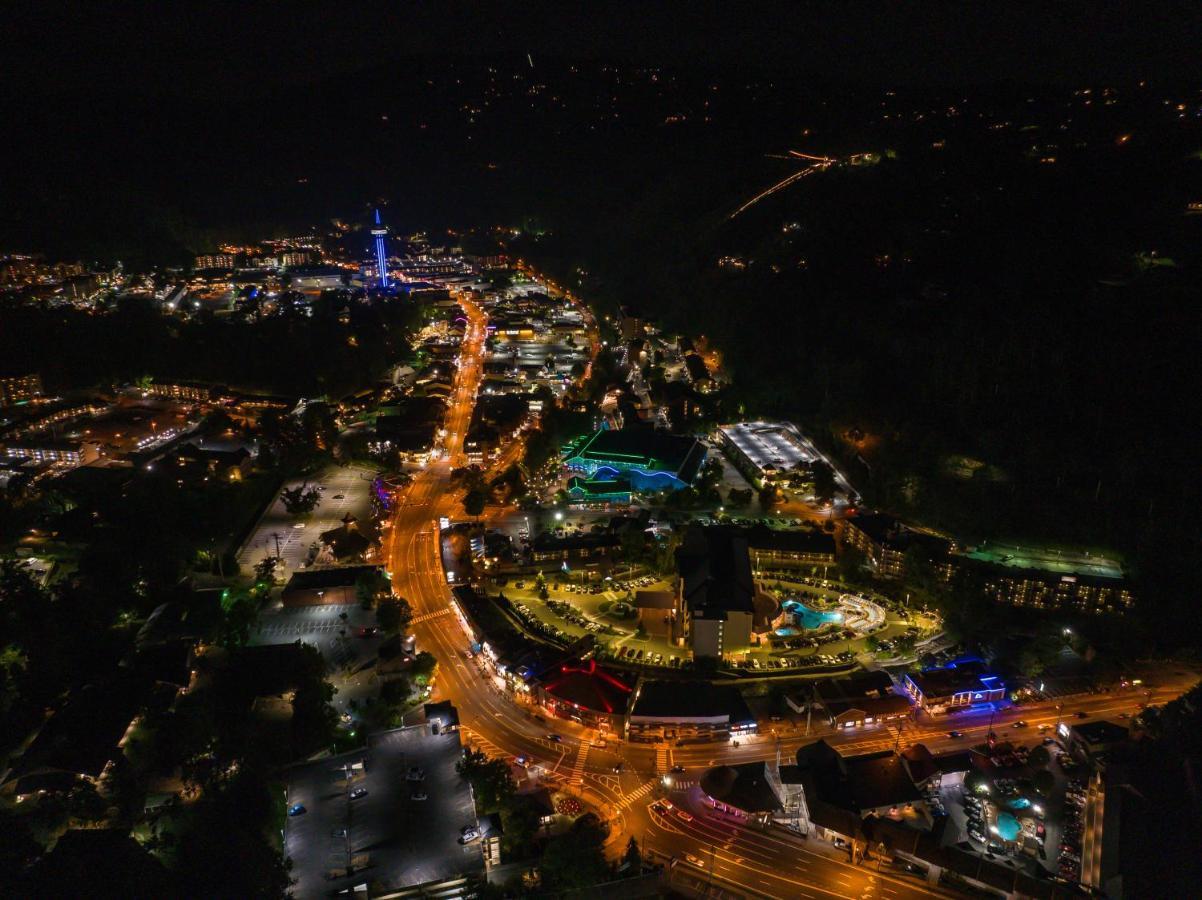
[769, 862]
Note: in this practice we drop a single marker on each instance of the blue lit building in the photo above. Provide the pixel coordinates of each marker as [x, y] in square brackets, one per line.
[648, 459]
[379, 233]
[958, 686]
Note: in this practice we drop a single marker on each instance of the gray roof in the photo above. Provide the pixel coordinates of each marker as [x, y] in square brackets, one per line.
[715, 567]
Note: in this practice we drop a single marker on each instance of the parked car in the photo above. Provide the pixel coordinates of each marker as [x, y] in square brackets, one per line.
[358, 792]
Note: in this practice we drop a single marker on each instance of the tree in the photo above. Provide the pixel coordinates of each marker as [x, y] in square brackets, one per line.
[851, 564]
[223, 848]
[575, 859]
[238, 619]
[491, 779]
[371, 587]
[265, 569]
[1044, 782]
[824, 481]
[1039, 757]
[300, 501]
[632, 859]
[738, 496]
[425, 667]
[394, 615]
[633, 544]
[474, 501]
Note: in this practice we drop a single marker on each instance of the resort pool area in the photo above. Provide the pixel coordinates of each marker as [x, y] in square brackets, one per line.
[808, 619]
[1019, 803]
[1007, 826]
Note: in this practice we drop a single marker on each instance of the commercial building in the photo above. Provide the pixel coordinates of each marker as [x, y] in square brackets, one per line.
[589, 490]
[955, 687]
[659, 613]
[864, 698]
[771, 548]
[585, 692]
[22, 388]
[588, 550]
[1093, 739]
[674, 709]
[1052, 591]
[841, 791]
[717, 591]
[652, 459]
[630, 323]
[181, 390]
[216, 261]
[315, 587]
[763, 451]
[882, 539]
[69, 453]
[316, 278]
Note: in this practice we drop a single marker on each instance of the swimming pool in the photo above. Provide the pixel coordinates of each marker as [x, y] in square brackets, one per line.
[1007, 826]
[807, 618]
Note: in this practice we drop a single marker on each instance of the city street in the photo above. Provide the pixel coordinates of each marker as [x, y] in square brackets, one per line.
[771, 863]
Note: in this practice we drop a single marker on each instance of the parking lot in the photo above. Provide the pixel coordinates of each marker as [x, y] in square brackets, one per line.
[393, 839]
[348, 657]
[1052, 823]
[343, 491]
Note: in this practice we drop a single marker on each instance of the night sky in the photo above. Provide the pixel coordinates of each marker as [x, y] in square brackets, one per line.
[211, 48]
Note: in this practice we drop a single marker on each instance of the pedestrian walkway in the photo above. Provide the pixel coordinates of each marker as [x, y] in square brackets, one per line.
[425, 617]
[578, 769]
[661, 758]
[641, 791]
[470, 738]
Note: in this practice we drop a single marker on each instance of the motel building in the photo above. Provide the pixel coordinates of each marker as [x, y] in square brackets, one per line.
[959, 686]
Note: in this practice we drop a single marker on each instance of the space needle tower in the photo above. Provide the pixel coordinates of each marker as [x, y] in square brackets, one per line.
[379, 233]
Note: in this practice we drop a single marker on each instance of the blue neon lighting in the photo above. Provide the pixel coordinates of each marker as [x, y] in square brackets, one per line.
[381, 256]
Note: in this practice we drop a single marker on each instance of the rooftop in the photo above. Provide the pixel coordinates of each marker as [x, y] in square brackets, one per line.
[954, 680]
[646, 449]
[769, 445]
[693, 699]
[588, 685]
[856, 783]
[761, 537]
[716, 570]
[744, 786]
[1094, 733]
[323, 579]
[654, 600]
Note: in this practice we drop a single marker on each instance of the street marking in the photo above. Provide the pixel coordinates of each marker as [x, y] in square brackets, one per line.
[578, 769]
[661, 758]
[641, 791]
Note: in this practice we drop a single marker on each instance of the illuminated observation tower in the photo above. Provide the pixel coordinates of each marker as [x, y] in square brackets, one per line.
[379, 233]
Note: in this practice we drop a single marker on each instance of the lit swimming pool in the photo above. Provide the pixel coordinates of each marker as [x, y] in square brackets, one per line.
[807, 618]
[1007, 826]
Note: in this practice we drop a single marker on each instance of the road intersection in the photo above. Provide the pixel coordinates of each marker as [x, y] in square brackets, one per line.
[770, 862]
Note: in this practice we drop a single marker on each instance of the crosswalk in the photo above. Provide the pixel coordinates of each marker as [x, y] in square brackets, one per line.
[641, 791]
[471, 738]
[425, 617]
[661, 758]
[578, 769]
